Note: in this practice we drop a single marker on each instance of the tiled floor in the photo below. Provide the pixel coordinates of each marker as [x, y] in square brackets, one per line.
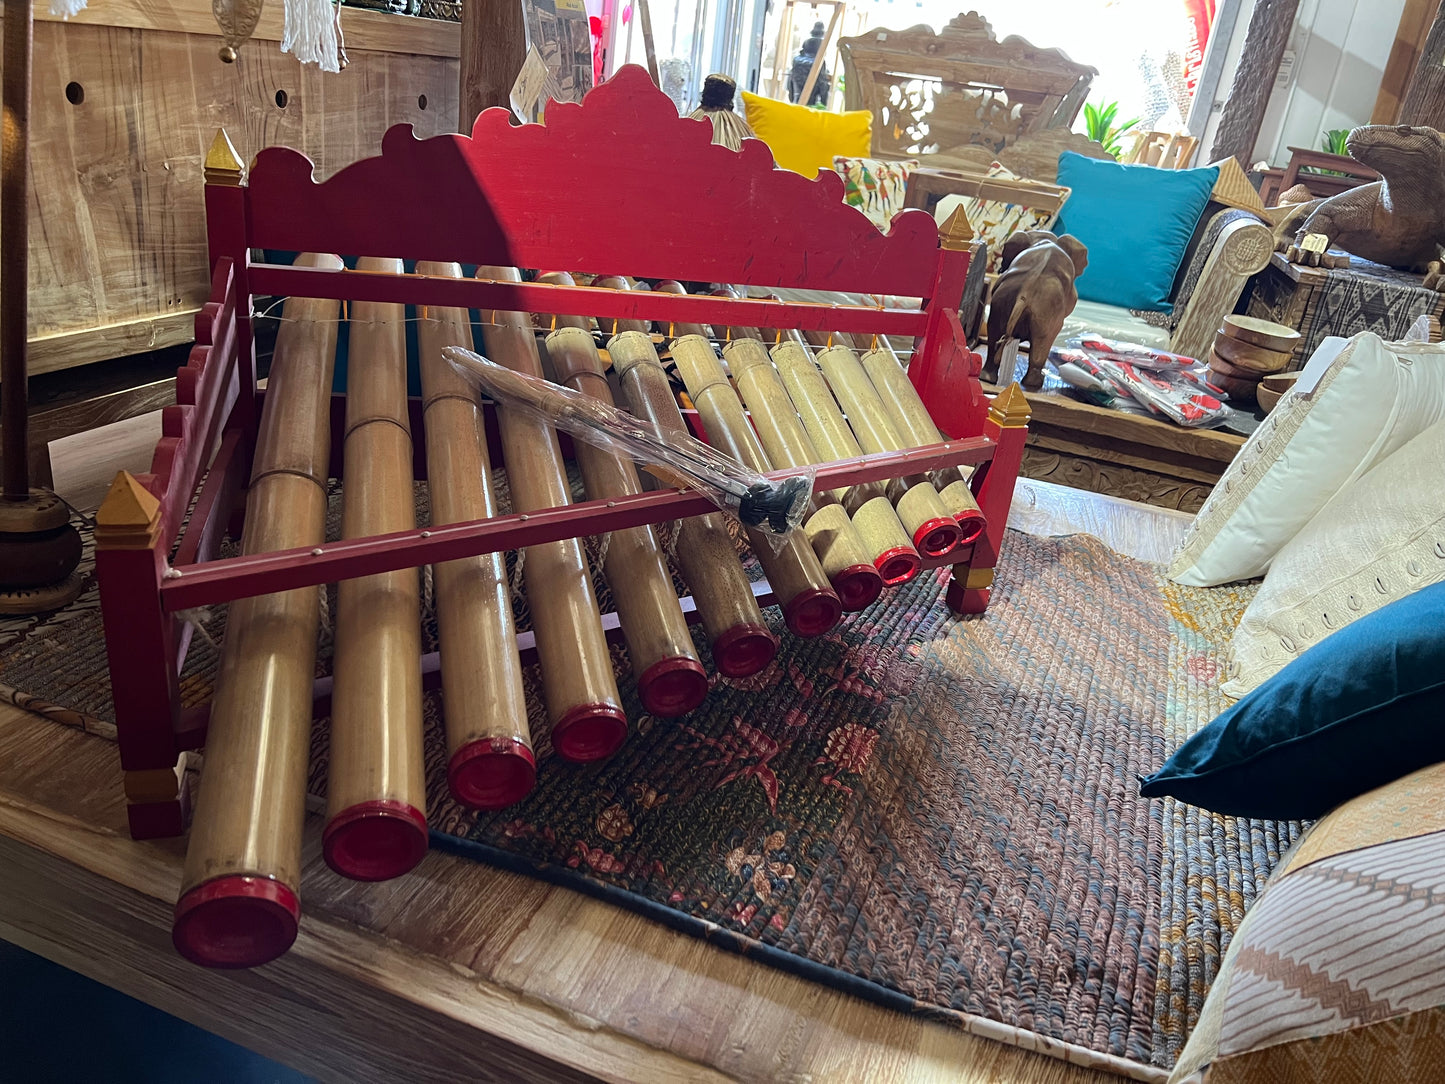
[57, 1027]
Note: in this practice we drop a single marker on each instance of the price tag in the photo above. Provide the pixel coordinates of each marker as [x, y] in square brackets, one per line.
[531, 82]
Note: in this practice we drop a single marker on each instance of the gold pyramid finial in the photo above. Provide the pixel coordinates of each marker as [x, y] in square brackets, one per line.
[1010, 409]
[223, 164]
[129, 517]
[955, 233]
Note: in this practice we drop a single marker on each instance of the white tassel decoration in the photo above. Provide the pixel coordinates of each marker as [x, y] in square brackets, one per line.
[65, 9]
[311, 33]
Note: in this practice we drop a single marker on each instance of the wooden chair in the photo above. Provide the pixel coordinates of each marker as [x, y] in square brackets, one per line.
[1303, 169]
[1167, 150]
[958, 87]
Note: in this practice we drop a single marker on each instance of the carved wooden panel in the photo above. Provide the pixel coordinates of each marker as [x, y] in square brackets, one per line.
[1035, 156]
[1114, 480]
[958, 87]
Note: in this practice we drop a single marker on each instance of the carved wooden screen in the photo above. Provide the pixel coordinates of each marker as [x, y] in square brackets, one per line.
[960, 87]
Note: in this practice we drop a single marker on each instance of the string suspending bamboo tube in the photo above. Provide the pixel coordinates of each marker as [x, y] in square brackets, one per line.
[490, 762]
[578, 684]
[741, 642]
[376, 785]
[239, 902]
[670, 679]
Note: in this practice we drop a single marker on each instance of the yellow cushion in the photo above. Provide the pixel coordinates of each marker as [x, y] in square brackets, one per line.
[806, 140]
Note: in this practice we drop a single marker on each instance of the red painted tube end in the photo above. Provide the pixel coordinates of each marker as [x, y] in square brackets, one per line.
[937, 536]
[672, 686]
[743, 650]
[492, 773]
[971, 523]
[375, 841]
[812, 612]
[858, 587]
[589, 732]
[898, 565]
[236, 921]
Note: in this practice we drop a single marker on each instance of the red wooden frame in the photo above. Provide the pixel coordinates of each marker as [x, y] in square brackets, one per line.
[617, 184]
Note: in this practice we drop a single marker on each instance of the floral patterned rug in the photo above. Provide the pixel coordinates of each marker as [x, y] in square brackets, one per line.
[939, 814]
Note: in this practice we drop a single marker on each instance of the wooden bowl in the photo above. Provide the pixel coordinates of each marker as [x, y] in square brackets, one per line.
[1223, 368]
[1267, 398]
[1239, 389]
[1262, 333]
[1251, 358]
[1272, 389]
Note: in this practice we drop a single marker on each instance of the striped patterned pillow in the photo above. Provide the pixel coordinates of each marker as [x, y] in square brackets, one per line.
[1338, 971]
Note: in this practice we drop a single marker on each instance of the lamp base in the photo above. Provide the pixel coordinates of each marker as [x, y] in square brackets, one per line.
[39, 552]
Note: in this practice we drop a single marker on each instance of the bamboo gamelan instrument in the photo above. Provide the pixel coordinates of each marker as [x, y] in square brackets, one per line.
[278, 453]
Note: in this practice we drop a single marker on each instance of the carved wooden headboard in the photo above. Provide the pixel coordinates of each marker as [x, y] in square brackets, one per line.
[959, 87]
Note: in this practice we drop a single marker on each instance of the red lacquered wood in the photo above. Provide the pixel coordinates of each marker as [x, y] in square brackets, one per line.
[725, 216]
[239, 577]
[201, 538]
[487, 295]
[141, 649]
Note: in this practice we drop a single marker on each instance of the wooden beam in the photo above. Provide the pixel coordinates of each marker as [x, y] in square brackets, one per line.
[1424, 100]
[366, 31]
[1414, 26]
[493, 46]
[1269, 29]
[812, 80]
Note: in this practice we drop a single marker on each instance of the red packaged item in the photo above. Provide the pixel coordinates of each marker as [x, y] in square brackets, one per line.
[1133, 353]
[1174, 394]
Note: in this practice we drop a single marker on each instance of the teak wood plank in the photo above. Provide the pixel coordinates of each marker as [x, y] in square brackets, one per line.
[366, 31]
[457, 971]
[1071, 414]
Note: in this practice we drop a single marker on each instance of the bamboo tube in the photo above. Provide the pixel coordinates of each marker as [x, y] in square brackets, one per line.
[670, 679]
[880, 538]
[376, 787]
[810, 605]
[490, 762]
[924, 521]
[577, 680]
[934, 531]
[913, 422]
[741, 643]
[239, 903]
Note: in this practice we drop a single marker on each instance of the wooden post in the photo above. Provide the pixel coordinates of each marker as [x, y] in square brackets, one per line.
[812, 79]
[130, 559]
[494, 43]
[1401, 68]
[1007, 425]
[1269, 29]
[14, 248]
[1424, 99]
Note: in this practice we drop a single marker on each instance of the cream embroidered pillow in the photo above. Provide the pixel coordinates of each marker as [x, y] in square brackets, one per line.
[1379, 538]
[1348, 412]
[875, 186]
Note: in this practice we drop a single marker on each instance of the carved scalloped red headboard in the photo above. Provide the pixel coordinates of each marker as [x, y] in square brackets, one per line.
[619, 183]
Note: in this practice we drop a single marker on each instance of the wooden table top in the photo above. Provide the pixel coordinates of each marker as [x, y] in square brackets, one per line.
[457, 971]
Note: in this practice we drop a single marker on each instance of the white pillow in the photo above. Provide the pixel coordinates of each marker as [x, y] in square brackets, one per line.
[1379, 538]
[1346, 414]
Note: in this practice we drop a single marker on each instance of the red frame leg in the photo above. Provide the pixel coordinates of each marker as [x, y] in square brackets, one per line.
[993, 487]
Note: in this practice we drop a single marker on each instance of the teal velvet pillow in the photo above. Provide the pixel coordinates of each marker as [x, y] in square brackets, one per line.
[1136, 222]
[1361, 708]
